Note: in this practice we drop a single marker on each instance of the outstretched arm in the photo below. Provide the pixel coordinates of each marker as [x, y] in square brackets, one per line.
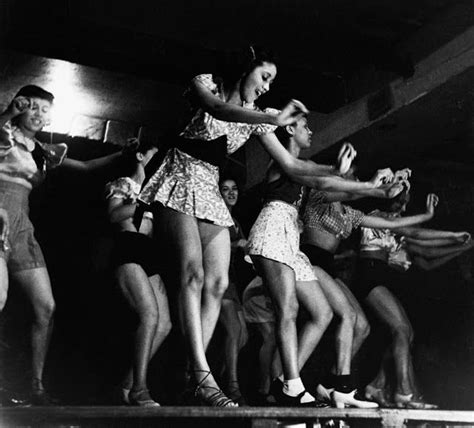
[431, 234]
[93, 165]
[402, 223]
[228, 112]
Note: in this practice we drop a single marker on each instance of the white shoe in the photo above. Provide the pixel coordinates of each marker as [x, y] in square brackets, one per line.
[342, 399]
[324, 394]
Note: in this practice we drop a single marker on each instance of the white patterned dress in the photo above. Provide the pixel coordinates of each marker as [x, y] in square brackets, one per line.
[190, 185]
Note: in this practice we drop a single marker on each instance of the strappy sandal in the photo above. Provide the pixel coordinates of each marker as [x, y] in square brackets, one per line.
[142, 398]
[407, 401]
[217, 399]
[233, 391]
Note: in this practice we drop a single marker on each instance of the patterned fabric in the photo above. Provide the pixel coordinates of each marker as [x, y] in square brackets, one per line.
[275, 236]
[378, 239]
[257, 304]
[205, 127]
[333, 217]
[123, 188]
[189, 186]
[16, 157]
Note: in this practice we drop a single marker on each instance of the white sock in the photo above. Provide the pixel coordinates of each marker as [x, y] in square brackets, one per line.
[294, 387]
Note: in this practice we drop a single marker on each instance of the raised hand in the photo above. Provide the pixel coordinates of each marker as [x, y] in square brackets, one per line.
[293, 111]
[393, 189]
[431, 202]
[382, 176]
[402, 174]
[463, 237]
[346, 155]
[19, 105]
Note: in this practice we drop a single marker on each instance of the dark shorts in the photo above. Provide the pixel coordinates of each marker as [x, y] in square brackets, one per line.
[321, 258]
[23, 250]
[371, 273]
[133, 247]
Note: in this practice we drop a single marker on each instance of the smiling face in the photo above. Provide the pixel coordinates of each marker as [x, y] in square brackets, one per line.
[36, 116]
[301, 133]
[230, 192]
[258, 81]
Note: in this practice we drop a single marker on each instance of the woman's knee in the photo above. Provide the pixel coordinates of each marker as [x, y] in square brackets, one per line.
[403, 333]
[44, 311]
[361, 327]
[216, 285]
[164, 327]
[193, 276]
[287, 309]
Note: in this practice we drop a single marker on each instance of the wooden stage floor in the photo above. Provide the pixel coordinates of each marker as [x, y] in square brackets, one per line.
[253, 417]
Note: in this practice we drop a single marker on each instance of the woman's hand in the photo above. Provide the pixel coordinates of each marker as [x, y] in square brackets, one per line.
[402, 174]
[4, 228]
[463, 237]
[293, 111]
[346, 155]
[18, 106]
[431, 202]
[382, 176]
[393, 189]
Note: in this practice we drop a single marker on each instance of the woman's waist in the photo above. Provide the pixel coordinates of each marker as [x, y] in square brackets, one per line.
[320, 238]
[287, 206]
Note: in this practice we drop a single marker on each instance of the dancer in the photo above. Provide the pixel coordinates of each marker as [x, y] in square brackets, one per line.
[23, 164]
[374, 279]
[189, 209]
[231, 316]
[136, 271]
[286, 272]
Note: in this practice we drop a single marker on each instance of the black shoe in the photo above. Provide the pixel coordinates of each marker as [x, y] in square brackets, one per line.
[11, 399]
[40, 397]
[282, 399]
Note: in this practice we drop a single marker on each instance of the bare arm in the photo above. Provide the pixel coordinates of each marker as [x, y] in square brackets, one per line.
[92, 165]
[400, 223]
[221, 110]
[429, 234]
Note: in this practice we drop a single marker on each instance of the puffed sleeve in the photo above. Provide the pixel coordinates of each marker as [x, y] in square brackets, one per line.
[265, 128]
[121, 189]
[206, 80]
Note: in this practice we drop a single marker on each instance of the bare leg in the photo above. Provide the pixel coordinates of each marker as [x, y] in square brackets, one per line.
[37, 287]
[164, 320]
[311, 297]
[184, 234]
[280, 281]
[3, 283]
[347, 316]
[137, 290]
[229, 319]
[361, 327]
[266, 355]
[390, 311]
[216, 258]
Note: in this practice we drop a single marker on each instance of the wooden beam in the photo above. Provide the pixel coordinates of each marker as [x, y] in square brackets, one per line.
[447, 62]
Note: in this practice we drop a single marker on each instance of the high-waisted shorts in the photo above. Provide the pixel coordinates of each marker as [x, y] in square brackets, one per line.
[371, 273]
[275, 236]
[22, 249]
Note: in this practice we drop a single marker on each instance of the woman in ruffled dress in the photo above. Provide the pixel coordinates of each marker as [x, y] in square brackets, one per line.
[189, 209]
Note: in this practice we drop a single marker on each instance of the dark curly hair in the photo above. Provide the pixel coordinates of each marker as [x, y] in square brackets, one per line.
[236, 64]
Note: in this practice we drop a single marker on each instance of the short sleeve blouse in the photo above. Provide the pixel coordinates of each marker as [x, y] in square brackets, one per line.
[204, 126]
[338, 219]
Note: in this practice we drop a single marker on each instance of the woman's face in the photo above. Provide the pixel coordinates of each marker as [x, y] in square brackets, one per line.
[258, 81]
[230, 192]
[37, 116]
[400, 206]
[302, 134]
